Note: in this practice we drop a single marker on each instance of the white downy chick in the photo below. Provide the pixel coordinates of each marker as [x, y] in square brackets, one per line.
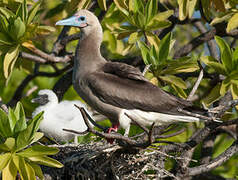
[61, 115]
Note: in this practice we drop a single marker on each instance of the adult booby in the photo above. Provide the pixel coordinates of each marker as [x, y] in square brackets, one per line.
[58, 116]
[115, 89]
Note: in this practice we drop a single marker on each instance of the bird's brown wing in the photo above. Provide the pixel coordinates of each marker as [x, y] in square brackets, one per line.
[124, 71]
[132, 91]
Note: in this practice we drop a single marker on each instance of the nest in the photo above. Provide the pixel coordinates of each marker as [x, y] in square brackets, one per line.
[100, 160]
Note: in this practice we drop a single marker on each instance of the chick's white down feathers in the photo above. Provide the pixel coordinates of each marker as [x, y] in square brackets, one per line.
[63, 115]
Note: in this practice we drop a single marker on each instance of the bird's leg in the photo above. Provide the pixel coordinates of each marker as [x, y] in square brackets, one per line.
[75, 139]
[127, 130]
[109, 130]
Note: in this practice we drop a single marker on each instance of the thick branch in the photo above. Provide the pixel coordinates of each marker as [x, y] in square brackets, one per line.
[216, 162]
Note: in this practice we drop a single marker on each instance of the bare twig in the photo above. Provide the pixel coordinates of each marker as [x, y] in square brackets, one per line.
[195, 87]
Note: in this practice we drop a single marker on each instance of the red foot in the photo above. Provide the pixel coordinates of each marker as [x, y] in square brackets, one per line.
[113, 128]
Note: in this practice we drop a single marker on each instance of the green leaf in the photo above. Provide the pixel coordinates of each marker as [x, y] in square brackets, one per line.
[214, 64]
[22, 11]
[232, 23]
[17, 29]
[4, 159]
[37, 169]
[30, 171]
[10, 171]
[10, 143]
[153, 57]
[28, 135]
[5, 128]
[9, 60]
[171, 79]
[180, 91]
[213, 96]
[183, 9]
[134, 37]
[225, 51]
[44, 30]
[151, 9]
[164, 48]
[12, 119]
[21, 119]
[4, 39]
[235, 58]
[225, 85]
[102, 4]
[191, 7]
[47, 161]
[6, 12]
[153, 40]
[33, 11]
[122, 6]
[23, 171]
[220, 19]
[38, 150]
[162, 16]
[155, 25]
[37, 136]
[144, 51]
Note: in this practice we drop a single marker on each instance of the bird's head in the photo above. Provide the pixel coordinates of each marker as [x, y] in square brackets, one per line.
[83, 19]
[45, 96]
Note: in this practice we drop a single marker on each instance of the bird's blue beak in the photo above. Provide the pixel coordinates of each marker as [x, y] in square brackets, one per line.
[73, 21]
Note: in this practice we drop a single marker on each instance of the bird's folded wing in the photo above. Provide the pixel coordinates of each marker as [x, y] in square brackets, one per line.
[124, 71]
[132, 93]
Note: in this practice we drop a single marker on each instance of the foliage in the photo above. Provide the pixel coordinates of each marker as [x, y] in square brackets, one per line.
[155, 30]
[164, 68]
[19, 152]
[226, 67]
[17, 29]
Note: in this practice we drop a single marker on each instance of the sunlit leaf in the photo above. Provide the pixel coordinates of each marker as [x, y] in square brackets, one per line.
[37, 169]
[6, 12]
[191, 7]
[10, 171]
[155, 25]
[134, 37]
[47, 161]
[122, 6]
[38, 150]
[225, 85]
[232, 23]
[4, 159]
[218, 19]
[183, 9]
[9, 59]
[153, 40]
[102, 4]
[151, 9]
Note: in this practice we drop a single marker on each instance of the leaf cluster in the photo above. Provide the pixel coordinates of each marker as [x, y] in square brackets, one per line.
[18, 151]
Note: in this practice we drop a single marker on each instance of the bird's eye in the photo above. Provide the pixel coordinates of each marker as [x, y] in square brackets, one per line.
[81, 18]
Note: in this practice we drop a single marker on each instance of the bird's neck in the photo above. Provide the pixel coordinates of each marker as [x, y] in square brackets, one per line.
[88, 50]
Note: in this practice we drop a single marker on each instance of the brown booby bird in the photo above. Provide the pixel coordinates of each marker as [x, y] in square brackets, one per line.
[118, 90]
